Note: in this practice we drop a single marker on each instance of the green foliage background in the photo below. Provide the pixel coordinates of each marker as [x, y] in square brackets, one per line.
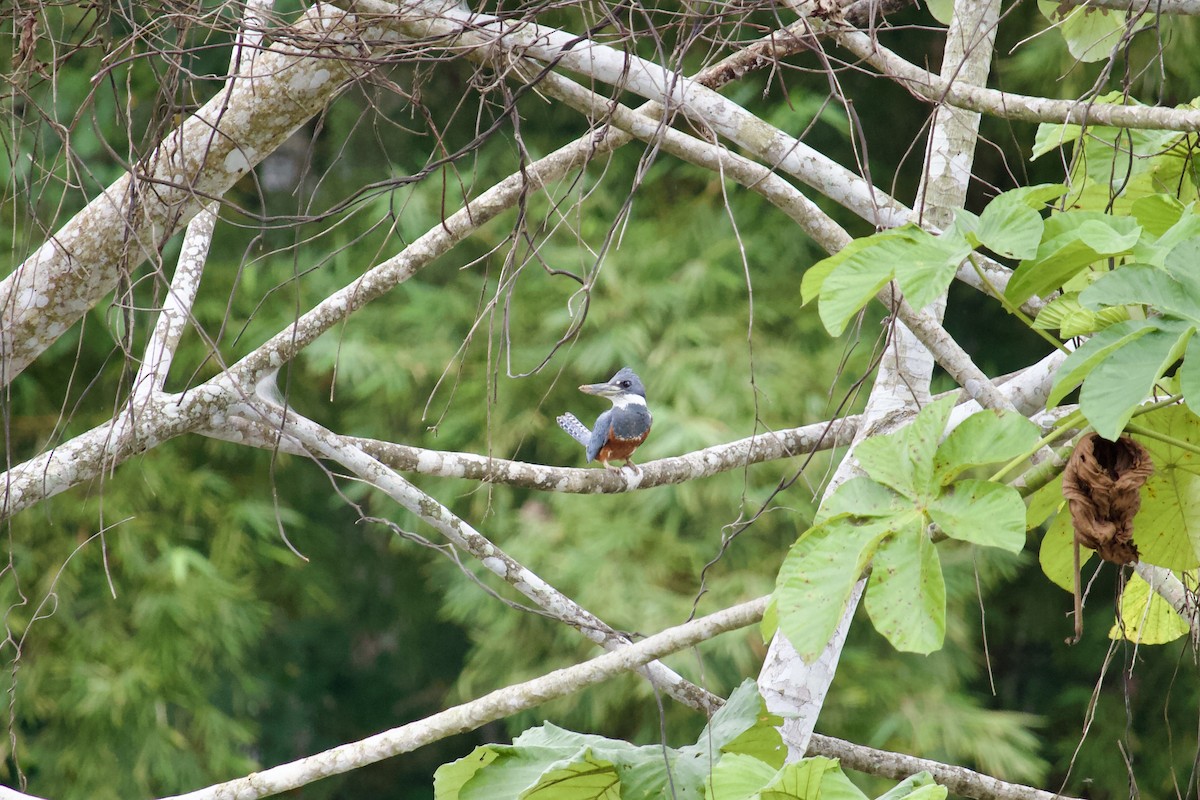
[164, 634]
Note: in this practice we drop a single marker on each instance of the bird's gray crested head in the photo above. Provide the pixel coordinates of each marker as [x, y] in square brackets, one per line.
[623, 388]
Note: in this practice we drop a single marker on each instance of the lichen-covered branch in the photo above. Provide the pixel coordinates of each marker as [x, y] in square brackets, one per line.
[1006, 105]
[489, 708]
[898, 766]
[292, 80]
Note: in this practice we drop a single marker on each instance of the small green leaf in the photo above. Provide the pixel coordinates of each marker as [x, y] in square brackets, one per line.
[906, 594]
[1090, 33]
[1071, 242]
[904, 460]
[1057, 553]
[818, 575]
[862, 497]
[1051, 136]
[966, 224]
[1156, 213]
[1145, 617]
[1068, 316]
[981, 512]
[916, 787]
[1094, 351]
[984, 438]
[1143, 283]
[743, 712]
[1011, 225]
[1119, 383]
[738, 777]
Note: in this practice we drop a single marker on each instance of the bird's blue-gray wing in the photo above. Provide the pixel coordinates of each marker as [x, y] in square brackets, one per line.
[599, 435]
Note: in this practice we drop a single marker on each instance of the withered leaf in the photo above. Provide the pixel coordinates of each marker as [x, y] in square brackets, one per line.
[1102, 483]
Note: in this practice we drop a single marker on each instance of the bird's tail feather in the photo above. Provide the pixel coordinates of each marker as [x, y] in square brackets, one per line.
[571, 424]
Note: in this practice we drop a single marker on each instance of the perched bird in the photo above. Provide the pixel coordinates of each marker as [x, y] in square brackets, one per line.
[618, 431]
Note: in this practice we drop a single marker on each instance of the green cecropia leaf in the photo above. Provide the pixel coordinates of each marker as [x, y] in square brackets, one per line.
[738, 756]
[913, 482]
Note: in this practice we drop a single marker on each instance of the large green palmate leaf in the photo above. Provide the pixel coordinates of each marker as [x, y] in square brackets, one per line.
[818, 575]
[1145, 617]
[739, 756]
[981, 512]
[887, 516]
[1167, 528]
[550, 763]
[906, 594]
[904, 460]
[981, 439]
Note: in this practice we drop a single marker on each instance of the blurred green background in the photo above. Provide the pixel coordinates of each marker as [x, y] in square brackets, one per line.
[163, 634]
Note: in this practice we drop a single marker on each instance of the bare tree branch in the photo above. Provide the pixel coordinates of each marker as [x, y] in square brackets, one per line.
[469, 716]
[323, 443]
[489, 39]
[897, 766]
[292, 80]
[1183, 8]
[1006, 105]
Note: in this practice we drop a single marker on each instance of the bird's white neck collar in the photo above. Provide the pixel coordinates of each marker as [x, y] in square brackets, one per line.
[628, 399]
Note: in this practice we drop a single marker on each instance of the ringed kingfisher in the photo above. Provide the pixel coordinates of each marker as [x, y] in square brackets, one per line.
[618, 431]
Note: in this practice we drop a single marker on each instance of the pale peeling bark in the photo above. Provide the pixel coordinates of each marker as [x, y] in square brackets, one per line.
[793, 688]
[200, 160]
[951, 150]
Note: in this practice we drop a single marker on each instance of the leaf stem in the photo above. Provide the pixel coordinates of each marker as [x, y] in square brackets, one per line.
[1072, 419]
[1010, 308]
[1162, 437]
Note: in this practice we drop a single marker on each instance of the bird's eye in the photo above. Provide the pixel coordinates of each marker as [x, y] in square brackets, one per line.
[625, 384]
